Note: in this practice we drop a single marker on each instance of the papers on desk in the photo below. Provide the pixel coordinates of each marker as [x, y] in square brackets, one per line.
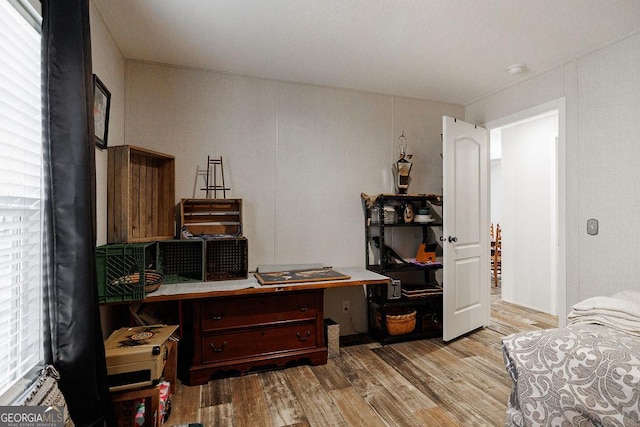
[300, 276]
[350, 275]
[198, 287]
[274, 268]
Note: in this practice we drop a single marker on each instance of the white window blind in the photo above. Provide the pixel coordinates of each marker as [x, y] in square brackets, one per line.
[20, 197]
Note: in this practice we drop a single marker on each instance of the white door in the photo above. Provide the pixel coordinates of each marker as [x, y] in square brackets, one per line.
[465, 234]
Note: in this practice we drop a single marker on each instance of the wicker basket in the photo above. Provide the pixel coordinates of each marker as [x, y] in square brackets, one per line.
[399, 321]
[152, 280]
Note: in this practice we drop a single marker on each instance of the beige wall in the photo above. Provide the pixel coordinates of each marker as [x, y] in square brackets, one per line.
[298, 155]
[529, 228]
[108, 65]
[602, 90]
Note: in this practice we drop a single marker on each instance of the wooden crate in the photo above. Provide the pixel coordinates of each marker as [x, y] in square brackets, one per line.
[125, 404]
[140, 195]
[210, 216]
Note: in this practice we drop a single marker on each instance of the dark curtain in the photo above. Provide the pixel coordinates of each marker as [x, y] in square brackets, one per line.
[73, 335]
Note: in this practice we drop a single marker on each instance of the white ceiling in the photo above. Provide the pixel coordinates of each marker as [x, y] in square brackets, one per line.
[446, 50]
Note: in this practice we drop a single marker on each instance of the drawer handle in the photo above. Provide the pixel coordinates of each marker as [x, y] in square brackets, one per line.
[214, 316]
[301, 338]
[213, 348]
[303, 307]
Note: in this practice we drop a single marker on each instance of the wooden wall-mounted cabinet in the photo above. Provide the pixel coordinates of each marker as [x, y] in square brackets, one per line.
[140, 195]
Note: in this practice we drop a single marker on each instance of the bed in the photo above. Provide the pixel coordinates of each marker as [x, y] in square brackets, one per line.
[584, 374]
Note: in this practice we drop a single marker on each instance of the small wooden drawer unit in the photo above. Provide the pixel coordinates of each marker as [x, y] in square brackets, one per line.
[258, 331]
[234, 345]
[220, 314]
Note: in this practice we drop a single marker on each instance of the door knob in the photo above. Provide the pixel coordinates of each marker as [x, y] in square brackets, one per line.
[453, 239]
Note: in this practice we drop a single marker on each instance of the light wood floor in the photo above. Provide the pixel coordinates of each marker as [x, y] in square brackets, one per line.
[418, 383]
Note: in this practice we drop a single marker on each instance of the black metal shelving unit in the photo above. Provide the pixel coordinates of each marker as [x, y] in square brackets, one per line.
[428, 308]
[428, 317]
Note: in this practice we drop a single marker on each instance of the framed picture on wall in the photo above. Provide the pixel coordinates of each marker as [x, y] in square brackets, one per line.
[101, 106]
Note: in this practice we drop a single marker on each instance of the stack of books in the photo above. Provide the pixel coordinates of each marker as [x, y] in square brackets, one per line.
[420, 291]
[428, 263]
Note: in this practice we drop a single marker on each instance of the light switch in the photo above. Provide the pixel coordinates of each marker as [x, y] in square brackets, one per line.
[592, 226]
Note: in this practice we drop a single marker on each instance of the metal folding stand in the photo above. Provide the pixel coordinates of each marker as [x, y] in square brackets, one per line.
[212, 175]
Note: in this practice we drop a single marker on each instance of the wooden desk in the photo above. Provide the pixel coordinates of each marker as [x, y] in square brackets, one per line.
[240, 325]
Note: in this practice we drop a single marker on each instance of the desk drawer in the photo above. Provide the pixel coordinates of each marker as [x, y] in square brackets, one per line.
[257, 310]
[236, 345]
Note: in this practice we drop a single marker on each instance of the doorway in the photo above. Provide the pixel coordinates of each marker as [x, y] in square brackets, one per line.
[527, 200]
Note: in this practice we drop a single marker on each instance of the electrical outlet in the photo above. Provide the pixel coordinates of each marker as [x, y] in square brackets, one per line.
[345, 306]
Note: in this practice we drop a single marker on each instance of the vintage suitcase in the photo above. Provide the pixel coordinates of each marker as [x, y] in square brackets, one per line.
[136, 356]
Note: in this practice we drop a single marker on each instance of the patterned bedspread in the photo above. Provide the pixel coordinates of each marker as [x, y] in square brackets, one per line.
[580, 375]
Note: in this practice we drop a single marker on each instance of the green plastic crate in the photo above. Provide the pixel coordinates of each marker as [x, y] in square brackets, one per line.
[115, 263]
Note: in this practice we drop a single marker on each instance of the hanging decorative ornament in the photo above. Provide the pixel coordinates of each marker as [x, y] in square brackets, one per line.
[402, 167]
